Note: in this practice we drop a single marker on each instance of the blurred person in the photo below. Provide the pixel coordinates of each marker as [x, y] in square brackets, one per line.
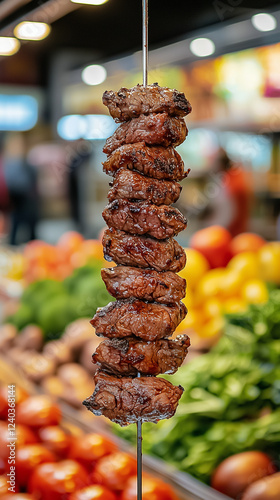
[231, 205]
[21, 180]
[79, 153]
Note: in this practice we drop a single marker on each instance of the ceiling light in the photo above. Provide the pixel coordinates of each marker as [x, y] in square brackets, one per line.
[94, 74]
[264, 22]
[8, 45]
[202, 47]
[28, 30]
[90, 2]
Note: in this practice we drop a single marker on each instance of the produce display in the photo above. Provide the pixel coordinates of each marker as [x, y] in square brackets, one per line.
[52, 304]
[142, 224]
[247, 265]
[231, 399]
[57, 460]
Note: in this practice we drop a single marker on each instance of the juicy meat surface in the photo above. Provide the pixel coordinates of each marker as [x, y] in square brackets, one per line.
[153, 161]
[129, 103]
[148, 321]
[160, 222]
[134, 186]
[131, 355]
[126, 400]
[157, 128]
[123, 282]
[140, 251]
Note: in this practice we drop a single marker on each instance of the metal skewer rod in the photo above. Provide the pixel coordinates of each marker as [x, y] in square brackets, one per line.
[145, 82]
[145, 41]
[139, 457]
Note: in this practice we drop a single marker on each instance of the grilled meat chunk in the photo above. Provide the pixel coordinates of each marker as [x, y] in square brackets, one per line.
[139, 251]
[128, 356]
[126, 400]
[134, 186]
[160, 222]
[153, 161]
[130, 103]
[159, 129]
[148, 321]
[123, 282]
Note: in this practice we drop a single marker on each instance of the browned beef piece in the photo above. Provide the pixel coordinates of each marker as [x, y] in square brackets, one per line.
[126, 400]
[139, 251]
[148, 321]
[160, 222]
[123, 282]
[129, 103]
[153, 161]
[134, 186]
[128, 356]
[159, 129]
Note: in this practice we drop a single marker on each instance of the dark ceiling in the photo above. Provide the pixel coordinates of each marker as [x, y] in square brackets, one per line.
[114, 28]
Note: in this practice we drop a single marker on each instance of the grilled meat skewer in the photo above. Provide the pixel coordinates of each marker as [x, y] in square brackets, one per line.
[140, 251]
[129, 356]
[131, 185]
[123, 282]
[130, 103]
[146, 320]
[126, 400]
[153, 161]
[159, 129]
[160, 222]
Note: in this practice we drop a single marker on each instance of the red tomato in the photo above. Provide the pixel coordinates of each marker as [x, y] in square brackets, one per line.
[213, 242]
[38, 411]
[246, 242]
[91, 447]
[57, 481]
[3, 403]
[27, 458]
[235, 473]
[94, 492]
[70, 242]
[3, 485]
[267, 488]
[20, 395]
[24, 436]
[55, 439]
[114, 470]
[153, 489]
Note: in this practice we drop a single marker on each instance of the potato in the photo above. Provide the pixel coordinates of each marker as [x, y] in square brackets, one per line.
[267, 488]
[237, 472]
[30, 338]
[36, 366]
[73, 375]
[86, 355]
[59, 352]
[77, 333]
[8, 334]
[54, 386]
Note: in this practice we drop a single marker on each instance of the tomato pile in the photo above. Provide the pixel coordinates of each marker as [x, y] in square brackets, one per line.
[224, 275]
[57, 461]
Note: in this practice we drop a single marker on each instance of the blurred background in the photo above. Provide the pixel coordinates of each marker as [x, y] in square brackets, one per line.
[57, 57]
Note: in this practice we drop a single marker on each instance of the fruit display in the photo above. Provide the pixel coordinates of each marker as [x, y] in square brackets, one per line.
[231, 399]
[225, 275]
[58, 460]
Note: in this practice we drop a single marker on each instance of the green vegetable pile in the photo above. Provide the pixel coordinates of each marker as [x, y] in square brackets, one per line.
[231, 399]
[52, 305]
